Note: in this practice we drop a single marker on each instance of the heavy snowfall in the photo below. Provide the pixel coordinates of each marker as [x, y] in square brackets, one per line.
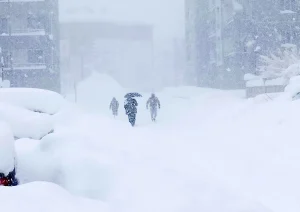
[149, 106]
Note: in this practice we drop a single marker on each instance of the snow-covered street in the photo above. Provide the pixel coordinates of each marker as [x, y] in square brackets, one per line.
[149, 106]
[210, 150]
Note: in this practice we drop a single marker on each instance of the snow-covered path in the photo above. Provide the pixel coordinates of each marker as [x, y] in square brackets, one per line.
[207, 149]
[210, 151]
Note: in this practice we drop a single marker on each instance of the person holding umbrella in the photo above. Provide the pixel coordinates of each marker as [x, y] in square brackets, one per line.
[130, 106]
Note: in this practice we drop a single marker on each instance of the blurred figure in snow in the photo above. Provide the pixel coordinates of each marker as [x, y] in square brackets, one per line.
[114, 106]
[131, 110]
[7, 157]
[153, 102]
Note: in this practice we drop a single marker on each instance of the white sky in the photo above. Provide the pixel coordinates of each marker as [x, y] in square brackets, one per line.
[166, 15]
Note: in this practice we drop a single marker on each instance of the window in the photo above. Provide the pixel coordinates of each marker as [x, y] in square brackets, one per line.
[35, 21]
[6, 58]
[3, 25]
[36, 56]
[287, 5]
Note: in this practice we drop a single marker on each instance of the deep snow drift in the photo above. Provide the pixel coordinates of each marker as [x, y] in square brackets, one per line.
[210, 150]
[36, 197]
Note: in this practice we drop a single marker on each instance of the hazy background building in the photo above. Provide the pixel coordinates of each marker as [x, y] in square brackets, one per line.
[124, 51]
[237, 32]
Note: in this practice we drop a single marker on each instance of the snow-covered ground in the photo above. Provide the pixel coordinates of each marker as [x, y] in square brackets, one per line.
[210, 150]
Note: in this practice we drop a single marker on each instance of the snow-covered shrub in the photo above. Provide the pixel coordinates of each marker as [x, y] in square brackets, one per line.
[283, 64]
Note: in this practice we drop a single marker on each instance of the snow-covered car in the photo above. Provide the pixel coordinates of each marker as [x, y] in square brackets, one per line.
[29, 111]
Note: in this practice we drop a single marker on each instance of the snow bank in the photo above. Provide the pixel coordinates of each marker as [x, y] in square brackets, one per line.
[70, 157]
[255, 83]
[7, 149]
[25, 123]
[96, 92]
[293, 70]
[189, 92]
[33, 99]
[292, 90]
[249, 76]
[47, 197]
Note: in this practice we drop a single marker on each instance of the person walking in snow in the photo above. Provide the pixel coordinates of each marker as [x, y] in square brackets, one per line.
[130, 106]
[114, 106]
[153, 102]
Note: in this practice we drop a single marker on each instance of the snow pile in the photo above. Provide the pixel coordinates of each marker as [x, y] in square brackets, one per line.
[280, 64]
[253, 80]
[7, 150]
[292, 90]
[131, 174]
[258, 81]
[25, 123]
[96, 92]
[249, 76]
[71, 157]
[47, 197]
[293, 70]
[287, 12]
[33, 99]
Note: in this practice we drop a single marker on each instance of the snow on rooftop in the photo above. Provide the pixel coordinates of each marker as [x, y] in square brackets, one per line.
[287, 12]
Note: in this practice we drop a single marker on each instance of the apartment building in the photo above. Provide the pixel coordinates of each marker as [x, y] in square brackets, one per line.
[241, 30]
[196, 34]
[29, 42]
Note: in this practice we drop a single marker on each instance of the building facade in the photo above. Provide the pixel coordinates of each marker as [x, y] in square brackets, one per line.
[29, 41]
[123, 51]
[241, 30]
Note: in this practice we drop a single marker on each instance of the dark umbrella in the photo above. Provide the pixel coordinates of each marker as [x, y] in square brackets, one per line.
[131, 95]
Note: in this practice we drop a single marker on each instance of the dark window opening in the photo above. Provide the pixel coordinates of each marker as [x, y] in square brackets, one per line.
[5, 58]
[3, 25]
[35, 21]
[36, 56]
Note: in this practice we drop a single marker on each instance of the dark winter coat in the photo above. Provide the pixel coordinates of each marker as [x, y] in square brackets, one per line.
[131, 110]
[9, 180]
[130, 106]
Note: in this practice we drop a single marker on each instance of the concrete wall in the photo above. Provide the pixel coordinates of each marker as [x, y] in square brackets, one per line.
[254, 91]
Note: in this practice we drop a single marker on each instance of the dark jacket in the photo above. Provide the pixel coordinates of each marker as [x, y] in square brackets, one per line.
[130, 106]
[9, 180]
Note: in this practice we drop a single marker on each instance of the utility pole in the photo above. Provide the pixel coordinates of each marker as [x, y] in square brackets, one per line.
[9, 34]
[2, 66]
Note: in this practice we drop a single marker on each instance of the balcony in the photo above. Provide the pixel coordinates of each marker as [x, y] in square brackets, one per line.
[26, 66]
[23, 32]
